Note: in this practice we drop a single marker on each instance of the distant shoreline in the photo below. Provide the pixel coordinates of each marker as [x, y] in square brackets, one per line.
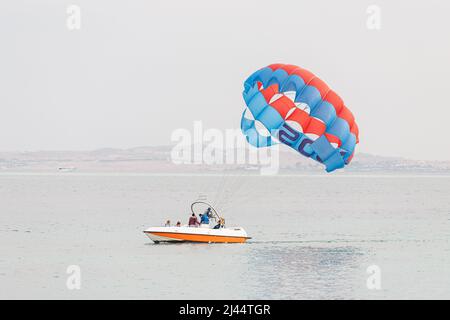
[157, 160]
[218, 175]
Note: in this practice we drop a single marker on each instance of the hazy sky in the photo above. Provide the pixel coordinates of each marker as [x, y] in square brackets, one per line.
[137, 70]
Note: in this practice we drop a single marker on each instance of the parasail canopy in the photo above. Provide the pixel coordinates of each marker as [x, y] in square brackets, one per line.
[288, 104]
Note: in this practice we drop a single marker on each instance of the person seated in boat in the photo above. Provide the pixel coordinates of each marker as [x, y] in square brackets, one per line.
[193, 221]
[221, 224]
[178, 224]
[167, 223]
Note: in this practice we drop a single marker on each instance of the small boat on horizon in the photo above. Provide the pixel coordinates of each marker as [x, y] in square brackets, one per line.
[67, 169]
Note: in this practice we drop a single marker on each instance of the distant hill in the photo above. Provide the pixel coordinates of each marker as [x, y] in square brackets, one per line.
[157, 159]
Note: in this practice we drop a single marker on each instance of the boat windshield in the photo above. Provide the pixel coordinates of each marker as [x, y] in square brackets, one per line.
[201, 207]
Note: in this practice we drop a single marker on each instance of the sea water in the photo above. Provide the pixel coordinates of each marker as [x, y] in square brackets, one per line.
[313, 237]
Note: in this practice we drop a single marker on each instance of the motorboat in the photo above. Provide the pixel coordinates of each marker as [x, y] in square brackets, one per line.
[214, 232]
[199, 234]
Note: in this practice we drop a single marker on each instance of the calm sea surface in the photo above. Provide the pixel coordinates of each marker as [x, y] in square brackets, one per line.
[313, 237]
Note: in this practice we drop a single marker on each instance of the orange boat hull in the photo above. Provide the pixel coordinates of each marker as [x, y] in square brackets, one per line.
[197, 237]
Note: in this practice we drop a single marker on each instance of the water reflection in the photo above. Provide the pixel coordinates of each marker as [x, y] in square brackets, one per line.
[293, 271]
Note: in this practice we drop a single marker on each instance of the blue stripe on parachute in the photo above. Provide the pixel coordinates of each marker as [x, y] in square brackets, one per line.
[325, 112]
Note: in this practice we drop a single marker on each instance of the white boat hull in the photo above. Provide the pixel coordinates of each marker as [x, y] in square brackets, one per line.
[192, 234]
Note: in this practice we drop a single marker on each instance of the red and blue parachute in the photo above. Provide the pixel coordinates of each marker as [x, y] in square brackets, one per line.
[300, 110]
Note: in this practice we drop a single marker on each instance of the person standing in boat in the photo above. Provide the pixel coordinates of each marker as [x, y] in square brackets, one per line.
[193, 221]
[167, 223]
[204, 218]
